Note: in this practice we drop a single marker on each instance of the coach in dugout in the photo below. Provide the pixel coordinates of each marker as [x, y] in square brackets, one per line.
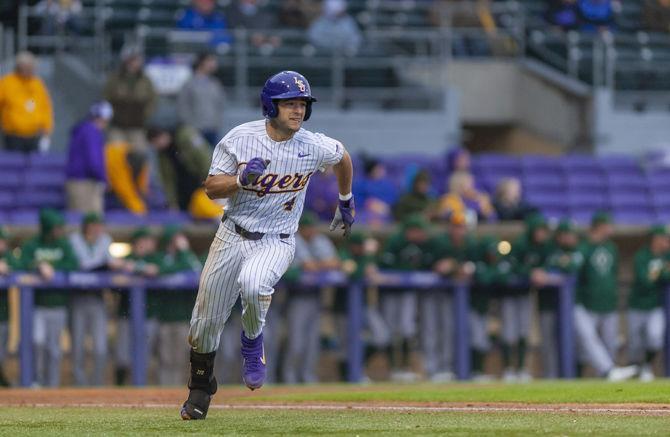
[26, 116]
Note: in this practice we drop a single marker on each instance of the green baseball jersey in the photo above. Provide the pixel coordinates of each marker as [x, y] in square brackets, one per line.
[652, 276]
[597, 279]
[60, 255]
[568, 260]
[493, 276]
[174, 305]
[12, 262]
[401, 254]
[152, 302]
[446, 248]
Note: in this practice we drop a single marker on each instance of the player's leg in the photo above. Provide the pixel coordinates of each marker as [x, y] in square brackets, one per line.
[654, 330]
[429, 330]
[97, 314]
[265, 261]
[217, 293]
[4, 336]
[56, 322]
[408, 329]
[509, 334]
[294, 341]
[78, 332]
[447, 330]
[313, 337]
[480, 343]
[609, 328]
[524, 309]
[635, 321]
[592, 347]
[549, 345]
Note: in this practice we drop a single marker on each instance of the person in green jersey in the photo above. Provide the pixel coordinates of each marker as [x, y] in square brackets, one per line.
[646, 320]
[455, 254]
[564, 257]
[143, 261]
[7, 264]
[46, 253]
[596, 318]
[528, 252]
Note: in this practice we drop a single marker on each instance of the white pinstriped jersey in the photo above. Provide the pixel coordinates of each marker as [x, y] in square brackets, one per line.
[273, 202]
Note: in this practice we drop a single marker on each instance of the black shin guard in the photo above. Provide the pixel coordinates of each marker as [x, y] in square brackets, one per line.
[202, 385]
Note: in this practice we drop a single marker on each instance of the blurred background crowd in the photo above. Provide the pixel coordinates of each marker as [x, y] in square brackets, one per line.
[496, 142]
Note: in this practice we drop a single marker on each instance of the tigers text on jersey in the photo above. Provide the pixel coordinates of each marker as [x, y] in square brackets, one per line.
[274, 201]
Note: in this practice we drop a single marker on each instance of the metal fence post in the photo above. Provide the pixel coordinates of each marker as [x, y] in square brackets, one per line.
[355, 307]
[462, 329]
[26, 306]
[566, 342]
[139, 337]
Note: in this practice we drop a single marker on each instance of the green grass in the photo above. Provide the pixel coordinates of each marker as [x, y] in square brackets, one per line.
[70, 422]
[582, 391]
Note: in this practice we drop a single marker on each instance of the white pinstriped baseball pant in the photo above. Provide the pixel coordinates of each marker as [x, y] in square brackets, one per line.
[237, 267]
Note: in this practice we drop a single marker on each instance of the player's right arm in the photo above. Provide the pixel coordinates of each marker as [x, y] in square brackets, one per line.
[220, 186]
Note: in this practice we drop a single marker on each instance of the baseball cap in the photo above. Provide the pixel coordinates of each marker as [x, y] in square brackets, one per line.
[414, 221]
[102, 109]
[601, 217]
[91, 217]
[565, 225]
[308, 219]
[141, 232]
[658, 230]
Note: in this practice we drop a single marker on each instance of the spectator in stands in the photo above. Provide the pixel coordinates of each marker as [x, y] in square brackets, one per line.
[299, 13]
[596, 14]
[85, 170]
[564, 257]
[48, 252]
[26, 115]
[183, 163]
[595, 315]
[174, 307]
[463, 198]
[417, 200]
[508, 202]
[314, 252]
[323, 185]
[408, 249]
[335, 30]
[87, 308]
[257, 20]
[376, 193]
[656, 15]
[646, 321]
[454, 256]
[563, 14]
[59, 16]
[203, 16]
[202, 101]
[133, 98]
[143, 260]
[7, 264]
[128, 175]
[466, 14]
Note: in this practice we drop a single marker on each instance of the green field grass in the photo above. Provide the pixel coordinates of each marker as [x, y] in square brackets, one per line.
[245, 419]
[122, 421]
[582, 391]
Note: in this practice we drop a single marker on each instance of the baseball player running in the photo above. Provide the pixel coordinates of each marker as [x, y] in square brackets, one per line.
[263, 168]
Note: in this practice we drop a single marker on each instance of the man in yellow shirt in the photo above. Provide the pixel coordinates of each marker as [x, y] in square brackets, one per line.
[26, 116]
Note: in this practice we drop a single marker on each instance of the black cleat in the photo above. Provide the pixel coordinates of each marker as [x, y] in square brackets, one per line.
[196, 406]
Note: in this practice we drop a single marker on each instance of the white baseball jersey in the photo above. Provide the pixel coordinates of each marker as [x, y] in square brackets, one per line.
[273, 202]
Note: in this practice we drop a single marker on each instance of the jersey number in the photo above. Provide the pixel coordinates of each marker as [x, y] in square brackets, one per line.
[288, 206]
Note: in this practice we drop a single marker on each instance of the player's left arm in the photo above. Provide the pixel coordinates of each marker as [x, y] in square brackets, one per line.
[344, 215]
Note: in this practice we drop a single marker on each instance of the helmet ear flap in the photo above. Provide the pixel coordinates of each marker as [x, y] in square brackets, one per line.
[308, 111]
[269, 106]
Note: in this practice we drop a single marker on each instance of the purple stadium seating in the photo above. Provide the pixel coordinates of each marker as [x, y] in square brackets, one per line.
[40, 199]
[11, 179]
[587, 199]
[12, 160]
[7, 199]
[586, 182]
[24, 217]
[624, 200]
[47, 160]
[51, 179]
[626, 216]
[580, 164]
[4, 218]
[542, 182]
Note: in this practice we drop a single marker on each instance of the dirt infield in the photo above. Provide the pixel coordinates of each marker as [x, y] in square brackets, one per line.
[234, 398]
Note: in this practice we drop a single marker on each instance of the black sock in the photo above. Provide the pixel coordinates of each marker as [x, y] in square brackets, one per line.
[405, 352]
[202, 372]
[3, 379]
[649, 357]
[477, 361]
[507, 355]
[120, 375]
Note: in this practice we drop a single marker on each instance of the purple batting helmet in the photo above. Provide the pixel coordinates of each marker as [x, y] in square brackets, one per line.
[283, 86]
